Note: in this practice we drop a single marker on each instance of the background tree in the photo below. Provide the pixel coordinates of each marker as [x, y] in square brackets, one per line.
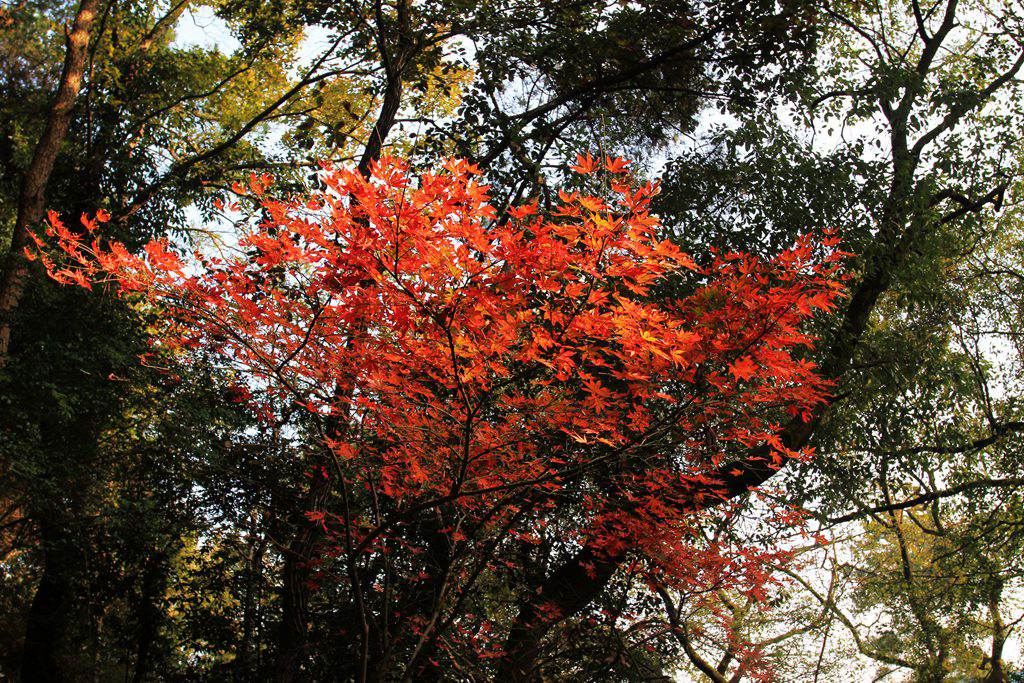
[913, 100]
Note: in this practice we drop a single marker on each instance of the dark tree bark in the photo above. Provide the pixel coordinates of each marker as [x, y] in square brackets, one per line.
[149, 615]
[251, 602]
[568, 590]
[47, 619]
[295, 585]
[996, 673]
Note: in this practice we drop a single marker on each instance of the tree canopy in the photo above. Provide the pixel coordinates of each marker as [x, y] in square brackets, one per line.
[445, 340]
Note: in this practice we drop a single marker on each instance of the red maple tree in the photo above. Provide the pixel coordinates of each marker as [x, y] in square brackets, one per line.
[471, 383]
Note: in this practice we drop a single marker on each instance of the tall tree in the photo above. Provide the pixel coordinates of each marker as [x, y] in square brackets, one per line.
[32, 200]
[507, 377]
[139, 97]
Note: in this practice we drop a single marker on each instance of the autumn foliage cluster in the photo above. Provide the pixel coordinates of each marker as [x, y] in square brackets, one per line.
[486, 379]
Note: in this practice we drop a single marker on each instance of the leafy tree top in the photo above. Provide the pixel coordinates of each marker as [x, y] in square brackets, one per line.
[520, 371]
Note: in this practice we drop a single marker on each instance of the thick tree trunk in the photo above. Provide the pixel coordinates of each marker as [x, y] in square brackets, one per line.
[563, 594]
[996, 673]
[48, 616]
[149, 615]
[251, 602]
[295, 585]
[33, 193]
